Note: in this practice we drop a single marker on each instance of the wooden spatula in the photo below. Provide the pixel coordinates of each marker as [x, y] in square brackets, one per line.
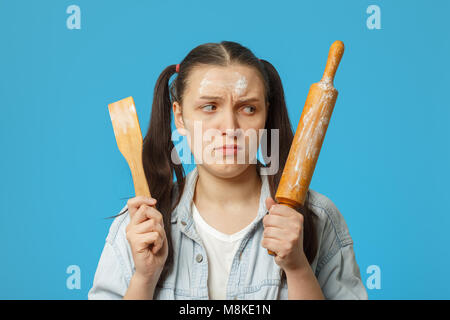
[129, 140]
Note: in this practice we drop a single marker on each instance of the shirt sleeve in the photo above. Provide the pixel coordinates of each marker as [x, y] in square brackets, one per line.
[340, 277]
[337, 270]
[109, 280]
[115, 267]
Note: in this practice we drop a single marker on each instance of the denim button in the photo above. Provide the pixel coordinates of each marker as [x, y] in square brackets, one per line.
[199, 258]
[183, 223]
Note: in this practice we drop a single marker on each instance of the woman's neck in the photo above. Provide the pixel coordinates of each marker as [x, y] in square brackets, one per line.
[222, 192]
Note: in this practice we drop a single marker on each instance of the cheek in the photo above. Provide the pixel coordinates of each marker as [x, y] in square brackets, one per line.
[201, 137]
[260, 121]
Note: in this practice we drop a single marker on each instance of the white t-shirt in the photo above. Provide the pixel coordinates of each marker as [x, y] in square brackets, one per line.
[220, 249]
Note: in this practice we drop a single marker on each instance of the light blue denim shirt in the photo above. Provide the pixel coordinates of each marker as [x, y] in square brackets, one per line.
[254, 273]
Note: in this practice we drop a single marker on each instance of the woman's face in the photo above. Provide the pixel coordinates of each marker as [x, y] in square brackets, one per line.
[222, 106]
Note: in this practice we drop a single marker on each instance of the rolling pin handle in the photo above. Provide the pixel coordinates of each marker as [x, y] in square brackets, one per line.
[334, 57]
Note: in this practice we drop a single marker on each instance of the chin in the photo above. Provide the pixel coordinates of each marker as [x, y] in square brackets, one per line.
[226, 170]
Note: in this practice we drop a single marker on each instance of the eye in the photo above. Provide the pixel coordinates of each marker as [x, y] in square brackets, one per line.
[250, 109]
[209, 107]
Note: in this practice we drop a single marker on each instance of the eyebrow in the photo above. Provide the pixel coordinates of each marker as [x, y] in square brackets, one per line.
[220, 98]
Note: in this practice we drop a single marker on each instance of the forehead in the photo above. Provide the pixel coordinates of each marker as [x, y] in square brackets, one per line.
[238, 79]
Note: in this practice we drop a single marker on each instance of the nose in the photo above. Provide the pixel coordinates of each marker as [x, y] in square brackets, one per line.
[229, 123]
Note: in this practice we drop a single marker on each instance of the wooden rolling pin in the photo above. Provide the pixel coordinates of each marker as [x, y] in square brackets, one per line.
[309, 136]
[129, 140]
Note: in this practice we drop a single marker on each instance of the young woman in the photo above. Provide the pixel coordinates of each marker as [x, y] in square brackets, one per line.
[207, 235]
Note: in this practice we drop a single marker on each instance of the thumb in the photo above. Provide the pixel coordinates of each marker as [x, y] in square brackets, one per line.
[269, 203]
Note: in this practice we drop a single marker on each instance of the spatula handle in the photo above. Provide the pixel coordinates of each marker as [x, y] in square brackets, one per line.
[139, 180]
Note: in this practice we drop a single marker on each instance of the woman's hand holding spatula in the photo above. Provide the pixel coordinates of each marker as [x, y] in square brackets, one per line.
[147, 237]
[148, 243]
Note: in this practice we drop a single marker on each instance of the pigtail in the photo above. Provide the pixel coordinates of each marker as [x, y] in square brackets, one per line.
[157, 158]
[278, 118]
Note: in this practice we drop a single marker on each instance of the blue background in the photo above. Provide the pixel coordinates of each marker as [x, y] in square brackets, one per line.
[384, 161]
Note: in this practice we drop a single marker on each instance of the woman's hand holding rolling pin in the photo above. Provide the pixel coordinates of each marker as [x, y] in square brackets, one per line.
[147, 238]
[283, 234]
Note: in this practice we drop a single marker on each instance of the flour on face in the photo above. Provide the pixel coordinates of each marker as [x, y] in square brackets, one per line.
[236, 83]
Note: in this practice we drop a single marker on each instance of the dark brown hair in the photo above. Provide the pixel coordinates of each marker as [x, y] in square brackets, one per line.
[157, 148]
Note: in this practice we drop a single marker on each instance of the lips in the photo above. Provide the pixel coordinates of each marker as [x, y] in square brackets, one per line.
[228, 149]
[229, 146]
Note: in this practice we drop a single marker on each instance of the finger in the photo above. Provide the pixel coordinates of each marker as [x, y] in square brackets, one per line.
[148, 226]
[140, 215]
[158, 242]
[155, 227]
[276, 221]
[152, 213]
[134, 203]
[145, 212]
[158, 245]
[275, 233]
[282, 210]
[271, 244]
[269, 203]
[145, 240]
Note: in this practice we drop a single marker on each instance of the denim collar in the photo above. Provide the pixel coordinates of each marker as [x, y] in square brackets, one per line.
[183, 212]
